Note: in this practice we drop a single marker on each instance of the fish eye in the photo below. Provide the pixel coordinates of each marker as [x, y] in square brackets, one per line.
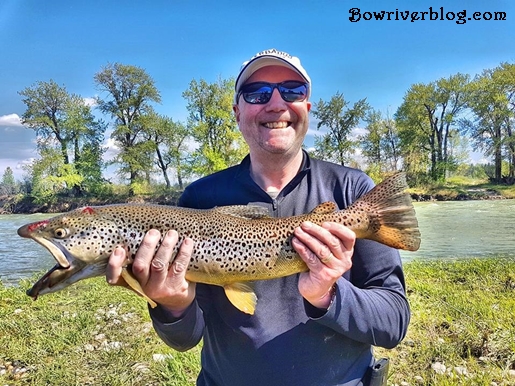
[61, 233]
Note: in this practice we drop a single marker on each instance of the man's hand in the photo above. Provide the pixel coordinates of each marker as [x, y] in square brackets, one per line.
[327, 250]
[164, 283]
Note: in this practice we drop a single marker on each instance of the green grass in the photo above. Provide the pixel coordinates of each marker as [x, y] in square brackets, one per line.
[463, 316]
[91, 334]
[458, 187]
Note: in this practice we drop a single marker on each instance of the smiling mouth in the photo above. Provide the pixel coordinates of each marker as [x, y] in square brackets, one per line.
[277, 125]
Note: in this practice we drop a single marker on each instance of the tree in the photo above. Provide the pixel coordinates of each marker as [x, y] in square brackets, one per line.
[46, 112]
[492, 100]
[427, 116]
[8, 185]
[337, 144]
[64, 121]
[169, 140]
[130, 94]
[213, 126]
[380, 144]
[52, 176]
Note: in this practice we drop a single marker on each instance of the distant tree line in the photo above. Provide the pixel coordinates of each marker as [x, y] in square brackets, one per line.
[427, 137]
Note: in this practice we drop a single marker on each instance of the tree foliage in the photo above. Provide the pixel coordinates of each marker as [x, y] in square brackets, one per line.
[380, 144]
[47, 104]
[492, 101]
[65, 122]
[130, 93]
[8, 185]
[169, 141]
[337, 144]
[51, 176]
[426, 119]
[213, 127]
[429, 137]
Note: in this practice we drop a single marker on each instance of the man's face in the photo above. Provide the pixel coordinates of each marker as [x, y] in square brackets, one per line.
[277, 127]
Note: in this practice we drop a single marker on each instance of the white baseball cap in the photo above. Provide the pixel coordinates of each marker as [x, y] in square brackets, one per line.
[266, 58]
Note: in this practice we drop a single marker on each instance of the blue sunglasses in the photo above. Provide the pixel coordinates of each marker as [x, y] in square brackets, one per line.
[259, 93]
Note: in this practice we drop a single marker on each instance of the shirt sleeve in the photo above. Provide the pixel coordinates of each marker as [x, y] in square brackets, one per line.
[179, 333]
[370, 306]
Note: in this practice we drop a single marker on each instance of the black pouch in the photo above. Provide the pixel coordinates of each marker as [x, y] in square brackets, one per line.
[379, 372]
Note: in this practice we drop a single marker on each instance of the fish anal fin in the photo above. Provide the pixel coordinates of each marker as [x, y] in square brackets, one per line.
[242, 297]
[325, 208]
[134, 285]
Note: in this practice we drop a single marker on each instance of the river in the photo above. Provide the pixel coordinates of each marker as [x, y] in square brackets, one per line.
[450, 229]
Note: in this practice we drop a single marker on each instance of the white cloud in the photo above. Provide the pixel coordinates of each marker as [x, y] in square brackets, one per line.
[10, 120]
[91, 102]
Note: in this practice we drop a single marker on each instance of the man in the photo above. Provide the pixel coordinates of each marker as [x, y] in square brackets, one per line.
[314, 328]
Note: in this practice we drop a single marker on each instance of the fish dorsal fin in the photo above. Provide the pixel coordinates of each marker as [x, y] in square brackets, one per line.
[241, 296]
[244, 211]
[325, 208]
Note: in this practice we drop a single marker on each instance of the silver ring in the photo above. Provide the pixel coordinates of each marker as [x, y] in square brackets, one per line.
[326, 259]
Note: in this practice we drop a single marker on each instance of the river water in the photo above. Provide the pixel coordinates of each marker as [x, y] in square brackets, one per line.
[450, 229]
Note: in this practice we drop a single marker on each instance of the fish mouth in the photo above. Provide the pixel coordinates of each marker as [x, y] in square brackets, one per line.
[67, 271]
[48, 281]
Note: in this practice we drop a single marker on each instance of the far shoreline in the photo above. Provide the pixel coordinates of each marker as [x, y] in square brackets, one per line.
[15, 205]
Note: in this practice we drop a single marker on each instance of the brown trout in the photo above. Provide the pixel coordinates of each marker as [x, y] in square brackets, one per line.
[233, 245]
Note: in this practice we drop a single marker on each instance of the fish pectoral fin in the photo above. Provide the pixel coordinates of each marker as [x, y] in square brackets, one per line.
[325, 208]
[242, 297]
[134, 285]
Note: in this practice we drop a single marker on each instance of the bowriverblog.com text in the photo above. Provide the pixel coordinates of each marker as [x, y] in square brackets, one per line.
[432, 14]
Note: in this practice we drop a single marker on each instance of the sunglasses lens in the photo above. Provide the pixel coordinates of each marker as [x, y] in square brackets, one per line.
[261, 92]
[257, 93]
[293, 91]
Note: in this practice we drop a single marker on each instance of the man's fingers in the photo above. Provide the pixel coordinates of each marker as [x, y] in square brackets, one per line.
[182, 260]
[114, 266]
[144, 255]
[319, 240]
[343, 234]
[161, 261]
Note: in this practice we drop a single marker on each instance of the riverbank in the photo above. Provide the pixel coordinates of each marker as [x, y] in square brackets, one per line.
[26, 205]
[461, 333]
[450, 192]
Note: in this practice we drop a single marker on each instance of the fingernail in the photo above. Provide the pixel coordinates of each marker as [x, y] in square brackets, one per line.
[307, 224]
[118, 251]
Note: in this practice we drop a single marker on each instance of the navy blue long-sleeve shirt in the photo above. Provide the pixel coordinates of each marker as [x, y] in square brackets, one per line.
[287, 341]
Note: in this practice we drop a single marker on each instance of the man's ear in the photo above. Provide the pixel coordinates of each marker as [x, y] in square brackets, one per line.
[236, 110]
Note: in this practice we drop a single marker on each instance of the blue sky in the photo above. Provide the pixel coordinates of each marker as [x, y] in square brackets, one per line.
[178, 41]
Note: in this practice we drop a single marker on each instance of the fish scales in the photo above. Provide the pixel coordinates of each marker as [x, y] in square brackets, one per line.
[233, 245]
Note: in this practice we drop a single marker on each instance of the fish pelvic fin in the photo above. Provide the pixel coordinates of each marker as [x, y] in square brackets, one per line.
[242, 297]
[391, 216]
[134, 285]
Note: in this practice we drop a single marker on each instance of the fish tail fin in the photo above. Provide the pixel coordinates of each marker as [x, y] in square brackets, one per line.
[391, 215]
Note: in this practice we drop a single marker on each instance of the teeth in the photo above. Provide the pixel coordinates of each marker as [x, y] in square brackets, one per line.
[276, 125]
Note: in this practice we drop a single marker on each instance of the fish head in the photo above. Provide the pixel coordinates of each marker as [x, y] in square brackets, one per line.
[81, 242]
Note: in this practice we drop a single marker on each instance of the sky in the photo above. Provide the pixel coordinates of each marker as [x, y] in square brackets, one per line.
[178, 41]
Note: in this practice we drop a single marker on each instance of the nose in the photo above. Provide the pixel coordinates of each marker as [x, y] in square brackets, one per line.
[276, 102]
